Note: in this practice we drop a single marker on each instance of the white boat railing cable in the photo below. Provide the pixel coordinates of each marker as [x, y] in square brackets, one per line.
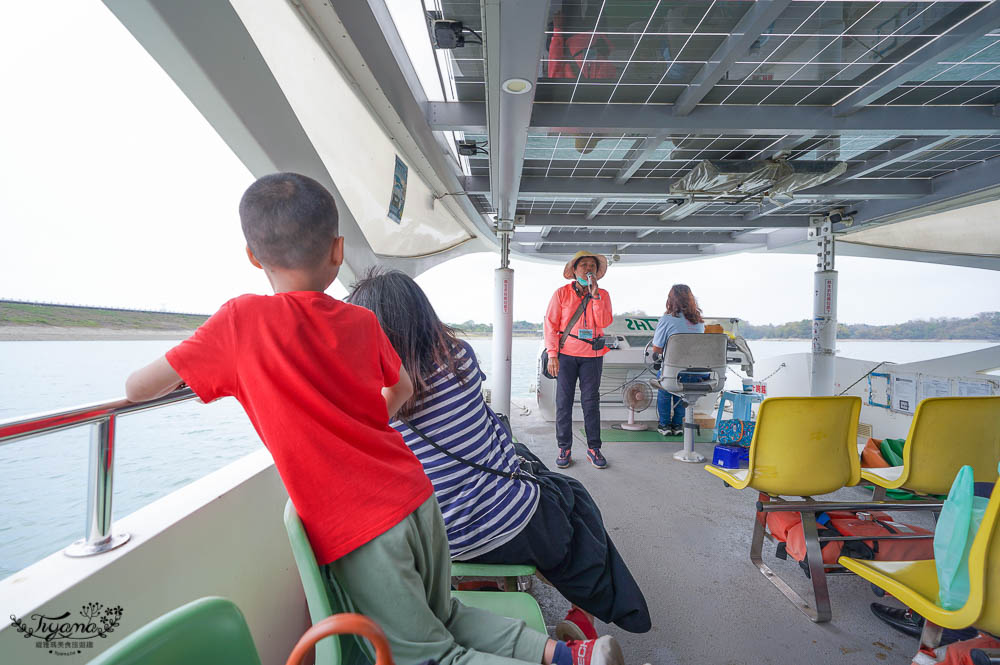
[102, 417]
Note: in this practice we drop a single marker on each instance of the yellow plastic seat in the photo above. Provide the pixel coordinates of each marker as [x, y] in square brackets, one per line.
[802, 446]
[946, 434]
[915, 583]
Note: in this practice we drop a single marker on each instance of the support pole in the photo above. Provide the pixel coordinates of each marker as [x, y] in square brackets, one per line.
[97, 535]
[503, 323]
[687, 454]
[824, 330]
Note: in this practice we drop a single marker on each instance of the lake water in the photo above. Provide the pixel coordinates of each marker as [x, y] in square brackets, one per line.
[43, 498]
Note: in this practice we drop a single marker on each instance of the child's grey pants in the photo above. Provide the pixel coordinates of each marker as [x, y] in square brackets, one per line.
[402, 580]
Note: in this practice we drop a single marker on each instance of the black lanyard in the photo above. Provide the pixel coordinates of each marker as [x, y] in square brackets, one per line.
[510, 475]
[584, 306]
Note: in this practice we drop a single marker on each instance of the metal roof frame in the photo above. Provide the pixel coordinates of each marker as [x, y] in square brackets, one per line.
[734, 119]
[918, 120]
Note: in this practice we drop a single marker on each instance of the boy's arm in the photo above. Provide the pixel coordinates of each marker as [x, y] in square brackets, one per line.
[396, 396]
[154, 380]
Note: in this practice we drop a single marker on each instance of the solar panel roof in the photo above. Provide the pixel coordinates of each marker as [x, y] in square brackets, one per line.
[906, 93]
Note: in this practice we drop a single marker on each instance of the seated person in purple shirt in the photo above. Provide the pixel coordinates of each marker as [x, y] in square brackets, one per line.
[682, 316]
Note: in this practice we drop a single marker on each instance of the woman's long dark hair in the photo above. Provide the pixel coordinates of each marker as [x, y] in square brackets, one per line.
[680, 301]
[423, 342]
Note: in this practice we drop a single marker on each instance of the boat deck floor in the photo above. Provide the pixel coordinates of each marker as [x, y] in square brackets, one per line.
[686, 539]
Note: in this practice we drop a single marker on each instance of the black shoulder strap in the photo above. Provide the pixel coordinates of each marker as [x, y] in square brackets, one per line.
[515, 475]
[572, 320]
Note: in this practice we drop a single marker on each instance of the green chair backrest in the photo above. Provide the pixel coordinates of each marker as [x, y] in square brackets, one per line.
[804, 446]
[946, 434]
[324, 597]
[207, 631]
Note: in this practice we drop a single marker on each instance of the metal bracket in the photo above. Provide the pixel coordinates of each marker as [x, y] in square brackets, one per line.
[821, 230]
[504, 231]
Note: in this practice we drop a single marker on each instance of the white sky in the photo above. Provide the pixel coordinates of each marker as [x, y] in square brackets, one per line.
[115, 191]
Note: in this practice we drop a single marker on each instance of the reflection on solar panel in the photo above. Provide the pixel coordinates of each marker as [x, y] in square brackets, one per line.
[909, 92]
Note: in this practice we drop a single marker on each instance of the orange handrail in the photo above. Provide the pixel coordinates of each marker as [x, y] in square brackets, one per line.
[339, 624]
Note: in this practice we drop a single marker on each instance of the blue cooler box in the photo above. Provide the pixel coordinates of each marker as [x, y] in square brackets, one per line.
[731, 457]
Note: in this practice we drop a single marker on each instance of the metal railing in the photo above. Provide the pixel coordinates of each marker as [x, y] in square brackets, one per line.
[102, 417]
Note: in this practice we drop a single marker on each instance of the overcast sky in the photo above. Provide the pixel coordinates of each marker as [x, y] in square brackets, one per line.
[115, 191]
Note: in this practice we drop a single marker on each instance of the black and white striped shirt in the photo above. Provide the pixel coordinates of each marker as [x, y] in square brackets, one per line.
[481, 511]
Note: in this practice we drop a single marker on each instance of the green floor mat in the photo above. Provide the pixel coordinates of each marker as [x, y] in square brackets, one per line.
[646, 436]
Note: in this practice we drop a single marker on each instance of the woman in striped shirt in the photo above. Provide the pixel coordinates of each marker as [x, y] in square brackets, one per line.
[495, 511]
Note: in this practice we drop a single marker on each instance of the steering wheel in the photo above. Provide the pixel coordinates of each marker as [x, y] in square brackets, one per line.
[650, 360]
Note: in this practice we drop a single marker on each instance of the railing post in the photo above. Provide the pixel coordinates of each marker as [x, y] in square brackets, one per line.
[97, 535]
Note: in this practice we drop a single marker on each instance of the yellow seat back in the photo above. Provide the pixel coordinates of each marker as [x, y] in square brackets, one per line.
[805, 445]
[948, 433]
[984, 566]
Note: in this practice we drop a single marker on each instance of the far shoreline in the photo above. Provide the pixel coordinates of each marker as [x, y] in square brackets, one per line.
[79, 334]
[76, 334]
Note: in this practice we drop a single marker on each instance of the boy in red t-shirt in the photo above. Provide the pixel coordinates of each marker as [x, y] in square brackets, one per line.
[319, 380]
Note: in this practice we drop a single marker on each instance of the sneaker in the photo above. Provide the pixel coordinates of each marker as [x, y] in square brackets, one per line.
[564, 458]
[602, 651]
[596, 458]
[676, 430]
[576, 627]
[665, 430]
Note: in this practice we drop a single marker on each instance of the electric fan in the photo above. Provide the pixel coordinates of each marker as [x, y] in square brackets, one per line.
[636, 396]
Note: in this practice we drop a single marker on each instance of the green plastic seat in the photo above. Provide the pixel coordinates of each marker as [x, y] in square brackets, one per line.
[330, 651]
[510, 572]
[323, 600]
[513, 604]
[464, 569]
[207, 631]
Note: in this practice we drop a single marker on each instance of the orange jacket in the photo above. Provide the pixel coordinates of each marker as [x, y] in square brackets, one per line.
[564, 303]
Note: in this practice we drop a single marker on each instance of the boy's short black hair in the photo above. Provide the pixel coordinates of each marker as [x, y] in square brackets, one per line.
[289, 220]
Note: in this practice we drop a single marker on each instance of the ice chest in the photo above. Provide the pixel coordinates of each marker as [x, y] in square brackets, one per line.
[731, 457]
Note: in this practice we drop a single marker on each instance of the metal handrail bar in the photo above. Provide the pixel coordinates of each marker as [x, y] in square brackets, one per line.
[823, 506]
[103, 419]
[53, 421]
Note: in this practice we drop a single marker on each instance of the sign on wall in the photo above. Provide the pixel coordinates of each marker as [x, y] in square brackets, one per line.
[398, 198]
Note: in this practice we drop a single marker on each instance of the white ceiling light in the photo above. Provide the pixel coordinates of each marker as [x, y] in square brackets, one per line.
[516, 86]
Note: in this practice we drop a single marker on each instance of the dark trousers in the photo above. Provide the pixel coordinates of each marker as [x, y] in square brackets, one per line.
[588, 370]
[568, 544]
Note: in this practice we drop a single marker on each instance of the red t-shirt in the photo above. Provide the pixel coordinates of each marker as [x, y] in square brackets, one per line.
[309, 370]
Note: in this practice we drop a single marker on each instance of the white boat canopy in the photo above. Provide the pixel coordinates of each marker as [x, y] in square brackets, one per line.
[647, 130]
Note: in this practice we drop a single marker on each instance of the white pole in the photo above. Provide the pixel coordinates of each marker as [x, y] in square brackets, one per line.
[824, 330]
[503, 325]
[824, 334]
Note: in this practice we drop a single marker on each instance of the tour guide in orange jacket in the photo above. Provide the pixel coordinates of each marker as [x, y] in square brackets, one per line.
[577, 358]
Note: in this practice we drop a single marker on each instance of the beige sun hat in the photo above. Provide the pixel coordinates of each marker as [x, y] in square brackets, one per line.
[602, 264]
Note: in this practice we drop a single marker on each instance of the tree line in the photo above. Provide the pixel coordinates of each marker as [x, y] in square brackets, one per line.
[985, 325]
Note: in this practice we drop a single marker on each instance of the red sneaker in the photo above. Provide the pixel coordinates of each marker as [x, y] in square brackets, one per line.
[576, 626]
[602, 651]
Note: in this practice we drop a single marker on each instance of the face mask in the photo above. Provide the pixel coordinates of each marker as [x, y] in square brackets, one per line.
[583, 281]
